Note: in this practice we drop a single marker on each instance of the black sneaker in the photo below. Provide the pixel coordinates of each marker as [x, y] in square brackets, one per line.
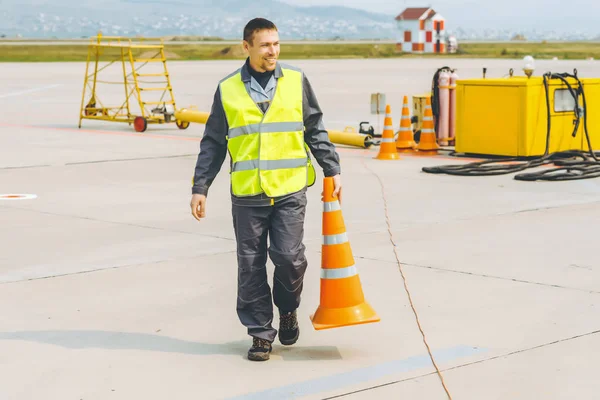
[260, 350]
[289, 331]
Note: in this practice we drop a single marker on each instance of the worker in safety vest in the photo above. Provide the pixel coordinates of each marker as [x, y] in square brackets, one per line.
[267, 117]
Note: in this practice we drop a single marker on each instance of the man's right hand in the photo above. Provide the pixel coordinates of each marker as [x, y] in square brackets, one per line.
[198, 205]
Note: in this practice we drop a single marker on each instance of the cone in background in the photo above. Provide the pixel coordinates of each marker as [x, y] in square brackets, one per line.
[342, 299]
[428, 142]
[405, 142]
[387, 149]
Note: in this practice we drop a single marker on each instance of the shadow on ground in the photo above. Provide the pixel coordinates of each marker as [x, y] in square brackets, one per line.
[90, 339]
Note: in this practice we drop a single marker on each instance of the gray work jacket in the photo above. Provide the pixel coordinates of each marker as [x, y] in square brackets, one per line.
[213, 146]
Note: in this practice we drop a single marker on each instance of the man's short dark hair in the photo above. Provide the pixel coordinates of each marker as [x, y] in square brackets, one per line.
[255, 25]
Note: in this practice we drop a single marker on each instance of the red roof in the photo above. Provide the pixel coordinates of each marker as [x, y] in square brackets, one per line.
[415, 13]
[431, 14]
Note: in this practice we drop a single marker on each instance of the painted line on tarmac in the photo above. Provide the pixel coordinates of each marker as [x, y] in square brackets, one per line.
[360, 375]
[19, 93]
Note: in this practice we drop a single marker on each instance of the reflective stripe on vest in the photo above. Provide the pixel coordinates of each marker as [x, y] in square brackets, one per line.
[266, 128]
[268, 164]
[267, 151]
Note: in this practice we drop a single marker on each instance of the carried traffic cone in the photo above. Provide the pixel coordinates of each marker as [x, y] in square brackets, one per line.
[405, 142]
[387, 149]
[428, 142]
[342, 299]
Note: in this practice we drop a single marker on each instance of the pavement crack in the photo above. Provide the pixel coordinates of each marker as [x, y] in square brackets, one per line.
[130, 159]
[117, 267]
[483, 275]
[537, 209]
[121, 223]
[581, 267]
[504, 278]
[379, 386]
[99, 161]
[26, 166]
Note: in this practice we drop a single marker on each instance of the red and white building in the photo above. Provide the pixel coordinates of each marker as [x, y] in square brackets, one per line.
[421, 30]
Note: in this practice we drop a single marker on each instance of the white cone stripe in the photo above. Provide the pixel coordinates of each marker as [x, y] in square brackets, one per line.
[405, 129]
[338, 273]
[335, 239]
[427, 118]
[387, 128]
[330, 206]
[427, 130]
[387, 140]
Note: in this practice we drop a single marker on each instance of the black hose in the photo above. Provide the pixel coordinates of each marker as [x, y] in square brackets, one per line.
[585, 128]
[589, 166]
[435, 96]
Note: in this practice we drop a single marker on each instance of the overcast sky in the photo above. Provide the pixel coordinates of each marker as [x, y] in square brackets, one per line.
[572, 15]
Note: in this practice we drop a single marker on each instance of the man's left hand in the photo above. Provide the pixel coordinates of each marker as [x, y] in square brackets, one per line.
[337, 187]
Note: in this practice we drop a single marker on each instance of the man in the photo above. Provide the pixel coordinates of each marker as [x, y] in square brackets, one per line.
[267, 117]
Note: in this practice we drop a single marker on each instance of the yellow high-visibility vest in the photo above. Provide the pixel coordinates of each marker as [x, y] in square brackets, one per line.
[267, 151]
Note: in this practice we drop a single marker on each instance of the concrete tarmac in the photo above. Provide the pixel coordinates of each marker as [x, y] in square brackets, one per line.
[109, 289]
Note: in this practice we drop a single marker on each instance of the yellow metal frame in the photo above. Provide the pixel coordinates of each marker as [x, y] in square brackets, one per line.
[94, 108]
[419, 104]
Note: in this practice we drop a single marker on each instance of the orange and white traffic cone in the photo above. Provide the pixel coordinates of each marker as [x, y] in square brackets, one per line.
[387, 148]
[428, 143]
[342, 299]
[405, 142]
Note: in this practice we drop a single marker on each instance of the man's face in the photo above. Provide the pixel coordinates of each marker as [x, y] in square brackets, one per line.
[264, 50]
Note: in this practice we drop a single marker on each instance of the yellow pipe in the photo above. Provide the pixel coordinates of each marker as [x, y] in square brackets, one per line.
[351, 138]
[186, 115]
[339, 137]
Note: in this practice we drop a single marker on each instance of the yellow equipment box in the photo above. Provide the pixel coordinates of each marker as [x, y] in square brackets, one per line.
[508, 116]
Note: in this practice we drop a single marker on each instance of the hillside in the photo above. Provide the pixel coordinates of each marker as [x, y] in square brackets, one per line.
[225, 18]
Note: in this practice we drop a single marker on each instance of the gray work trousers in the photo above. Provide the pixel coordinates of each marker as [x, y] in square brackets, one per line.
[283, 224]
